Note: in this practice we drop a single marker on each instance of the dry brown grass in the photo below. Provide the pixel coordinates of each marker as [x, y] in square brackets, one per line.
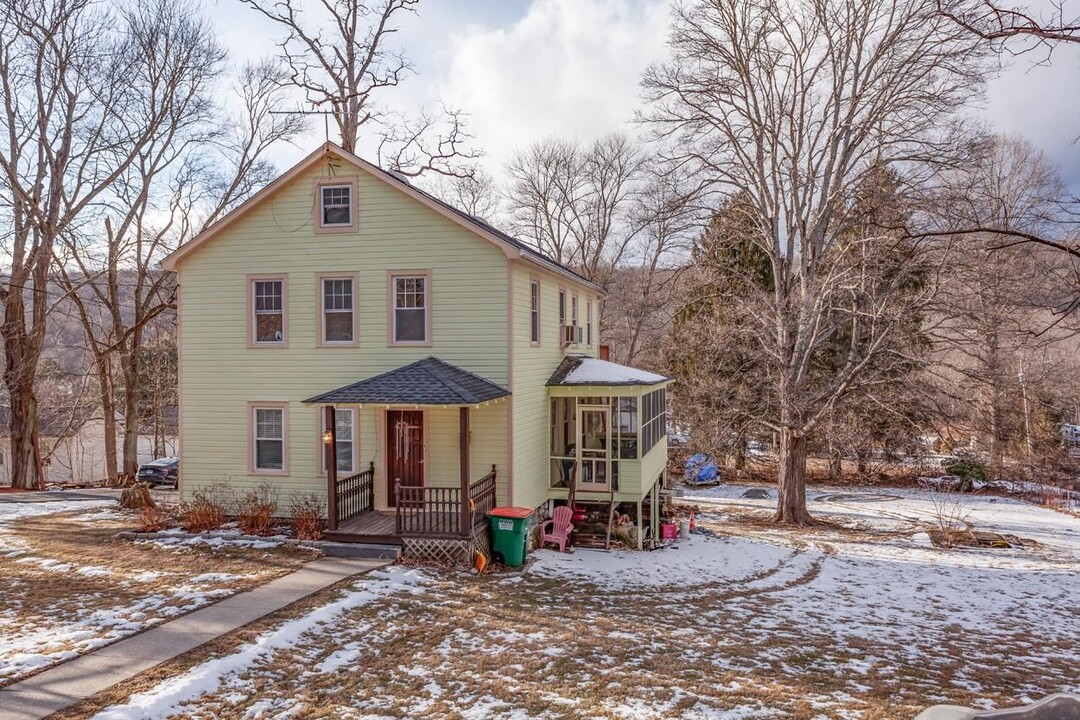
[117, 574]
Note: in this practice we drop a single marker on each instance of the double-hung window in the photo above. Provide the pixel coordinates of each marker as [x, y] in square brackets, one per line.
[345, 437]
[335, 206]
[588, 323]
[268, 310]
[338, 298]
[268, 426]
[534, 311]
[574, 317]
[411, 309]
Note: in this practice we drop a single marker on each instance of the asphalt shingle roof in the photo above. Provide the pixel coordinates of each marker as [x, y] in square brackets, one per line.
[430, 381]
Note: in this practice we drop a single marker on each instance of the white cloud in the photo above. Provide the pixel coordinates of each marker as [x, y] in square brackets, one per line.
[567, 67]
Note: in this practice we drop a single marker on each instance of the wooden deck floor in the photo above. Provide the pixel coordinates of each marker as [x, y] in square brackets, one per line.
[377, 526]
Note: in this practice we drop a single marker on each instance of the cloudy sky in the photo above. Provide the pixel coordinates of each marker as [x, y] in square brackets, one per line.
[523, 69]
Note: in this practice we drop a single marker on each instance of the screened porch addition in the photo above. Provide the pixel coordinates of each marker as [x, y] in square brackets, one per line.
[607, 428]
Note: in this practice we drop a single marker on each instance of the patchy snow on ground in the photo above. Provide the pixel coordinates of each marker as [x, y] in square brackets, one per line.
[208, 677]
[70, 589]
[215, 540]
[11, 512]
[861, 618]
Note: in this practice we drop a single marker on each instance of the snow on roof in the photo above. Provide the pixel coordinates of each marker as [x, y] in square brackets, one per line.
[590, 371]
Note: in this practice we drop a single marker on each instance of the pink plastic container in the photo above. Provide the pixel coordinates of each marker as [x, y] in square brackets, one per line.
[669, 531]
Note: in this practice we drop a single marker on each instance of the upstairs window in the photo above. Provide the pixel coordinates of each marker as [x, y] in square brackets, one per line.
[411, 319]
[268, 306]
[534, 311]
[574, 317]
[338, 310]
[562, 310]
[335, 206]
[588, 323]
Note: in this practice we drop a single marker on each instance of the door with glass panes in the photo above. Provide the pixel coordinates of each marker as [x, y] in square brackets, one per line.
[593, 452]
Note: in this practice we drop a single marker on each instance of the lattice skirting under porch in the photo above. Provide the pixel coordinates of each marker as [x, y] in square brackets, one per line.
[456, 551]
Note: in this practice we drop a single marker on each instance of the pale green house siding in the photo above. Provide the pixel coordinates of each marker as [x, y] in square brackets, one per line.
[532, 366]
[220, 374]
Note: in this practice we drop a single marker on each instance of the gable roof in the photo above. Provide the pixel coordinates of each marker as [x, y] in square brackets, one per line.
[430, 381]
[511, 246]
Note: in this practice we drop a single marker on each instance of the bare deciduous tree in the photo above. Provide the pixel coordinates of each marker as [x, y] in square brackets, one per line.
[794, 106]
[190, 170]
[72, 121]
[1000, 23]
[338, 55]
[602, 210]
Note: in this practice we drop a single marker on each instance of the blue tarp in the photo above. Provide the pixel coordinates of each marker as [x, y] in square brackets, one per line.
[701, 469]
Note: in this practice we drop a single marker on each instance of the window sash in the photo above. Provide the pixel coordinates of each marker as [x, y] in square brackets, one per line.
[333, 200]
[345, 432]
[269, 436]
[338, 307]
[534, 311]
[588, 323]
[410, 309]
[268, 305]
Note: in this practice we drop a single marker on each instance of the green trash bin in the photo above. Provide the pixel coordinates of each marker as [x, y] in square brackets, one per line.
[510, 534]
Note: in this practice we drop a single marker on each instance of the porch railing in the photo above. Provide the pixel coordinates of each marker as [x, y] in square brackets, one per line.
[356, 495]
[437, 511]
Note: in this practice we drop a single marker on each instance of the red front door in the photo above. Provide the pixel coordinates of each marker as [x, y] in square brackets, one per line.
[404, 449]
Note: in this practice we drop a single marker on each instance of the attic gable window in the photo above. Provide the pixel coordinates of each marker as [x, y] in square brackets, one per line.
[336, 205]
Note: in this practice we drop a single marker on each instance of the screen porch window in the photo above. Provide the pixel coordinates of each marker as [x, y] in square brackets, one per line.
[410, 309]
[335, 205]
[534, 311]
[269, 439]
[345, 432]
[269, 306]
[337, 298]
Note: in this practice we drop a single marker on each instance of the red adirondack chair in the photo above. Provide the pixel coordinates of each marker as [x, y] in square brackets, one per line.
[557, 530]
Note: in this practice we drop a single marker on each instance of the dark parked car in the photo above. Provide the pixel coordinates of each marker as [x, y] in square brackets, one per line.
[163, 471]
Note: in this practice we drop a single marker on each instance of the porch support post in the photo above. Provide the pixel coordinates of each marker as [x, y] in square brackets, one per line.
[330, 423]
[463, 447]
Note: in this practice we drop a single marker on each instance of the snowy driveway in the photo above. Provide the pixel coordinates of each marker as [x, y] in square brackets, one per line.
[867, 622]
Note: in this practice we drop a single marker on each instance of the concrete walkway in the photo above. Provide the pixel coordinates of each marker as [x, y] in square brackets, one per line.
[66, 684]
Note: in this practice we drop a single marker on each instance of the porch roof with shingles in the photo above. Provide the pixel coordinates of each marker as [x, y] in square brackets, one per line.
[430, 381]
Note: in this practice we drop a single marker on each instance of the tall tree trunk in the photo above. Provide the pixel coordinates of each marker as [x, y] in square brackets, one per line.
[129, 362]
[108, 413]
[791, 505]
[20, 369]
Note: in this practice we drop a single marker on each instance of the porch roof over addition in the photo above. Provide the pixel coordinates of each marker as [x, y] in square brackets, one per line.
[430, 381]
[584, 370]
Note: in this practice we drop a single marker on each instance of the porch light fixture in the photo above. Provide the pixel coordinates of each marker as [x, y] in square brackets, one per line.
[327, 437]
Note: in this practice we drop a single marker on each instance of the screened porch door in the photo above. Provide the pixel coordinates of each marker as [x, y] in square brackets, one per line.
[593, 453]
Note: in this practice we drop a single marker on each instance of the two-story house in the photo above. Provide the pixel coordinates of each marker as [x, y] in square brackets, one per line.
[445, 366]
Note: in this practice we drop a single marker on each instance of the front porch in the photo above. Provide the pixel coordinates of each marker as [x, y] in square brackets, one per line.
[433, 432]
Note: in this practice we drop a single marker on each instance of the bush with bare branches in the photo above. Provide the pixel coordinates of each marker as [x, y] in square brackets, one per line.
[208, 508]
[306, 511]
[257, 508]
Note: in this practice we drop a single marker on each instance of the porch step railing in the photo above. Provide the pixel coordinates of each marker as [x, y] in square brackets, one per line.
[356, 495]
[437, 511]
